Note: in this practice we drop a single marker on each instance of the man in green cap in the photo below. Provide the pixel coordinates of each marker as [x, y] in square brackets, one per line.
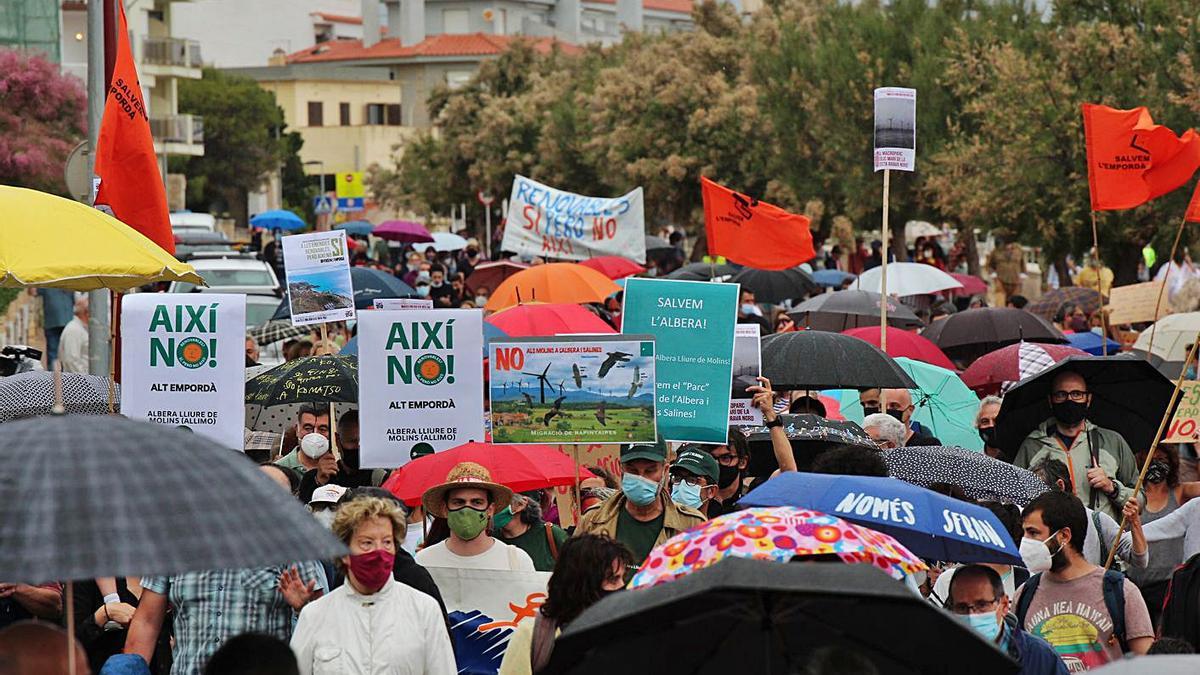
[694, 478]
[643, 515]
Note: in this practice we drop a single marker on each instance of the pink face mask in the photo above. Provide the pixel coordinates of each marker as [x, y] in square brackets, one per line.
[372, 569]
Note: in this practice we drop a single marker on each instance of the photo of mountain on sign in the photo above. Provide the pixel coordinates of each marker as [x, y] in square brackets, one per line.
[308, 297]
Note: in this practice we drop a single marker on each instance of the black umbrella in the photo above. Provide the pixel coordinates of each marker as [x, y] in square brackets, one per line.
[980, 476]
[1129, 396]
[311, 379]
[809, 436]
[277, 330]
[102, 496]
[843, 310]
[699, 271]
[776, 286]
[965, 336]
[754, 616]
[369, 285]
[32, 394]
[811, 359]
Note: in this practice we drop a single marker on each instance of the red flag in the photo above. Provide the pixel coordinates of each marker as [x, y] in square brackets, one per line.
[754, 233]
[131, 187]
[1193, 210]
[1131, 160]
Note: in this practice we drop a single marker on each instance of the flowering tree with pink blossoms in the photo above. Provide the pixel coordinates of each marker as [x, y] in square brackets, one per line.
[43, 114]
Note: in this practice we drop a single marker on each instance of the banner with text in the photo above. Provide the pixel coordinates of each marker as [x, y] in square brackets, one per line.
[1184, 427]
[402, 303]
[692, 323]
[551, 223]
[895, 128]
[485, 607]
[183, 362]
[318, 277]
[571, 390]
[420, 374]
[747, 365]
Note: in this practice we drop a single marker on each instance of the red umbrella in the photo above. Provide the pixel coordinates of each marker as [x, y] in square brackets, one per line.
[518, 467]
[549, 319]
[972, 285]
[903, 343]
[613, 266]
[492, 274]
[992, 371]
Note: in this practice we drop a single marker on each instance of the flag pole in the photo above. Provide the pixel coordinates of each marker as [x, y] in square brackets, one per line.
[1165, 281]
[883, 292]
[1100, 286]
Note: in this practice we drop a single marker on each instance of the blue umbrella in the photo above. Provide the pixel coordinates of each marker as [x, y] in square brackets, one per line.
[278, 220]
[490, 332]
[831, 278]
[932, 525]
[356, 227]
[368, 284]
[1092, 343]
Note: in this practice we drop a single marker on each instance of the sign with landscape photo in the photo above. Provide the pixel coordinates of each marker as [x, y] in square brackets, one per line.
[318, 277]
[895, 128]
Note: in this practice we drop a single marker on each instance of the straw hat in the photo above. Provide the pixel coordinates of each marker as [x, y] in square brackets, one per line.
[465, 475]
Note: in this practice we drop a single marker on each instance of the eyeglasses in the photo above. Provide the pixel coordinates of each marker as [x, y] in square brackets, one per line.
[1076, 396]
[726, 460]
[694, 481]
[978, 607]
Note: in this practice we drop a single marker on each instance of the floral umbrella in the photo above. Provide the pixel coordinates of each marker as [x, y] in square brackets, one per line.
[778, 534]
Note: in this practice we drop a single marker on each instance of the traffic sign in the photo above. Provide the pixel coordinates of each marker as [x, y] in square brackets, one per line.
[350, 204]
[322, 205]
[349, 185]
[484, 198]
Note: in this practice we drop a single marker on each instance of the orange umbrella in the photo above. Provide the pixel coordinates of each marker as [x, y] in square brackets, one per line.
[570, 283]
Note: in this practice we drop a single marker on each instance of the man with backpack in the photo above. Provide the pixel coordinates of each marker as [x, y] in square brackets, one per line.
[1089, 616]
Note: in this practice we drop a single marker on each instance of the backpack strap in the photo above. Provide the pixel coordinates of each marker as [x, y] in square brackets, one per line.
[1100, 535]
[550, 540]
[1114, 602]
[1026, 599]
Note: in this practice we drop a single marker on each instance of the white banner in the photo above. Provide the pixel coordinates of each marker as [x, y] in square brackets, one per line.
[895, 128]
[550, 223]
[420, 382]
[183, 362]
[485, 608]
[318, 277]
[402, 303]
[747, 362]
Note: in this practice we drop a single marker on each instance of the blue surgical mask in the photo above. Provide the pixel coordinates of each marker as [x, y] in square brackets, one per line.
[423, 290]
[748, 309]
[640, 491]
[986, 624]
[685, 494]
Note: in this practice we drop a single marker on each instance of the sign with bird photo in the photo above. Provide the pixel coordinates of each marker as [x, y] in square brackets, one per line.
[573, 390]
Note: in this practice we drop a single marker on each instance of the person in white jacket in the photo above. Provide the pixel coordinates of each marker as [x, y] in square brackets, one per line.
[372, 625]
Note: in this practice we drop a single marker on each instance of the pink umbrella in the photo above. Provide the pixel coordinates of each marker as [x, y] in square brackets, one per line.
[404, 231]
[971, 285]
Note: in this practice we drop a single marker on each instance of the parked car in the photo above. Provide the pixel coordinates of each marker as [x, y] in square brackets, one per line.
[232, 274]
[187, 222]
[200, 243]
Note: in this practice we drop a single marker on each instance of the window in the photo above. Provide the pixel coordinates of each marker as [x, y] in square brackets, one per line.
[344, 114]
[502, 22]
[456, 79]
[374, 113]
[393, 114]
[316, 114]
[456, 21]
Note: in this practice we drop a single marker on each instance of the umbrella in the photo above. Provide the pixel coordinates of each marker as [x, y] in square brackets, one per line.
[1174, 334]
[971, 285]
[1159, 664]
[842, 310]
[904, 343]
[52, 242]
[32, 394]
[310, 379]
[1093, 343]
[998, 370]
[361, 228]
[403, 231]
[776, 286]
[757, 616]
[277, 330]
[657, 244]
[702, 271]
[809, 436]
[920, 228]
[968, 335]
[980, 476]
[492, 274]
[1129, 396]
[442, 241]
[930, 524]
[546, 320]
[518, 467]
[1051, 301]
[777, 534]
[490, 333]
[197, 506]
[907, 278]
[278, 219]
[831, 278]
[810, 359]
[552, 282]
[613, 266]
[369, 284]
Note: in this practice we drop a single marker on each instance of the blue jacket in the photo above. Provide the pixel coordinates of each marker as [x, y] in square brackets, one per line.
[1032, 653]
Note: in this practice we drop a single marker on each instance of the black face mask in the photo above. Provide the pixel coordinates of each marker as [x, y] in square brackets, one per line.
[1069, 413]
[728, 476]
[897, 415]
[871, 410]
[350, 458]
[1158, 472]
[988, 434]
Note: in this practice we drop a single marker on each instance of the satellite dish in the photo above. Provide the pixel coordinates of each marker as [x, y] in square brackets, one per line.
[489, 14]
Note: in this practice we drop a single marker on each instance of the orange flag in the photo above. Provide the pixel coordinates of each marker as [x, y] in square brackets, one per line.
[1193, 211]
[754, 233]
[130, 185]
[1131, 160]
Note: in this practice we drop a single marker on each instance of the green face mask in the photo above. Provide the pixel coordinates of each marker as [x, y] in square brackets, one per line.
[503, 518]
[467, 522]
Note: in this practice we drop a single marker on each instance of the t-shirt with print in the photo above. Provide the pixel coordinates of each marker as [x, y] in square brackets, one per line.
[500, 556]
[1072, 617]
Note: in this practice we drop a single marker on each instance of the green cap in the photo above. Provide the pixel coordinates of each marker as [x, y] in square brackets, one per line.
[698, 462]
[655, 452]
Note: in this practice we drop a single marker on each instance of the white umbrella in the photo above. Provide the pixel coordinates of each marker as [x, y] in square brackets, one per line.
[1173, 335]
[443, 241]
[907, 279]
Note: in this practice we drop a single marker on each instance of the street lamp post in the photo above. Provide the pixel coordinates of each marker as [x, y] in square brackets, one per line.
[321, 167]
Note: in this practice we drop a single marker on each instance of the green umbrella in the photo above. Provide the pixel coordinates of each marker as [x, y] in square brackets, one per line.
[943, 404]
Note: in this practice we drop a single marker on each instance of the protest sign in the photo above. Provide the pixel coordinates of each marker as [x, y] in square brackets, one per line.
[318, 277]
[895, 128]
[551, 223]
[183, 362]
[485, 607]
[604, 456]
[402, 303]
[692, 323]
[747, 365]
[420, 383]
[573, 390]
[1136, 303]
[1185, 426]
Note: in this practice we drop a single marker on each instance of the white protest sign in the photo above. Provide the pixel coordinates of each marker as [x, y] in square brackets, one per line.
[551, 223]
[183, 362]
[402, 303]
[318, 277]
[420, 379]
[895, 128]
[747, 362]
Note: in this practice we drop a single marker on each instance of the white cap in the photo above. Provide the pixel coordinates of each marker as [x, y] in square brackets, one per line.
[330, 494]
[314, 445]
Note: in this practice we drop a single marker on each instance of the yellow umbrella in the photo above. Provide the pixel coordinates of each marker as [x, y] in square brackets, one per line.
[52, 242]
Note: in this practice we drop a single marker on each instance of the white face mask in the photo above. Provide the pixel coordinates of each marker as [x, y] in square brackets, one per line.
[480, 300]
[325, 517]
[1036, 554]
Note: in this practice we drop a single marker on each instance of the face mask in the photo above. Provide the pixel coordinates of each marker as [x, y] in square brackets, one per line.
[652, 272]
[871, 410]
[1158, 471]
[1069, 413]
[503, 518]
[1079, 324]
[471, 252]
[751, 309]
[423, 276]
[438, 284]
[325, 517]
[985, 624]
[413, 267]
[480, 300]
[1036, 554]
[728, 475]
[686, 495]
[467, 522]
[989, 436]
[897, 415]
[314, 445]
[373, 569]
[423, 290]
[640, 491]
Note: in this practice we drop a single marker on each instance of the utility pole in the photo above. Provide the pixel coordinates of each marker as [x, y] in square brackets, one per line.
[97, 88]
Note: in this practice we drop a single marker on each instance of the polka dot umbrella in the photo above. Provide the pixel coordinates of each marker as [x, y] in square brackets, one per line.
[778, 534]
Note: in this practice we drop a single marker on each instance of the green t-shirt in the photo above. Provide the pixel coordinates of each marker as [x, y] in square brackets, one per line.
[637, 535]
[534, 542]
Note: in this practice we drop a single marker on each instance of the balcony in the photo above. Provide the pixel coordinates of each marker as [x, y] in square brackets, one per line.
[171, 53]
[179, 130]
